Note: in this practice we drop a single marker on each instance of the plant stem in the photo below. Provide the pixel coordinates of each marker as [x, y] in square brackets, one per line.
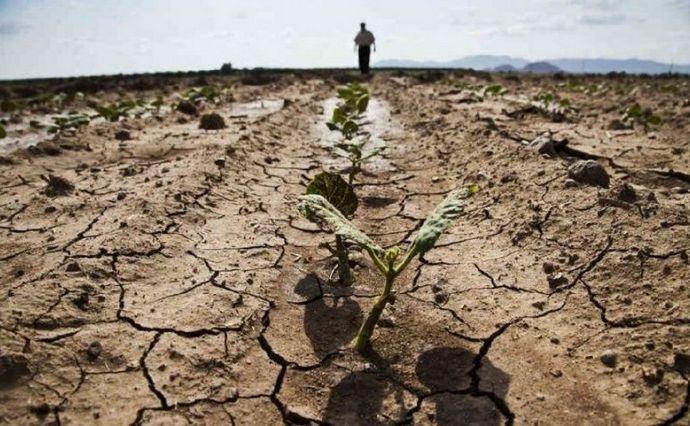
[343, 261]
[367, 329]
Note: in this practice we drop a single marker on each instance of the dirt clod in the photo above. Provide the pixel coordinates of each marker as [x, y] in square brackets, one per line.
[609, 358]
[93, 351]
[589, 172]
[57, 186]
[187, 107]
[211, 121]
[123, 135]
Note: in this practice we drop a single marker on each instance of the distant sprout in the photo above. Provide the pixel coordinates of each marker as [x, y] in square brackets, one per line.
[636, 114]
[8, 106]
[340, 194]
[71, 121]
[114, 112]
[35, 124]
[207, 93]
[317, 209]
[344, 119]
[494, 90]
[211, 121]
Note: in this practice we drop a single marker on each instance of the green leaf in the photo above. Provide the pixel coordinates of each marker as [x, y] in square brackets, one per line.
[437, 222]
[654, 119]
[3, 133]
[336, 191]
[345, 93]
[318, 210]
[338, 116]
[331, 126]
[362, 103]
[350, 127]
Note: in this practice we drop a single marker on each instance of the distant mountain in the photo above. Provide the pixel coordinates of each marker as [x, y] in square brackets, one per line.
[571, 65]
[505, 68]
[540, 68]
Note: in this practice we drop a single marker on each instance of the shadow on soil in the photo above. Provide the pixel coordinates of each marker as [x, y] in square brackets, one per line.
[360, 397]
[329, 322]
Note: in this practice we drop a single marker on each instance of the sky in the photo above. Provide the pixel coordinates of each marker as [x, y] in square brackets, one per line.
[47, 38]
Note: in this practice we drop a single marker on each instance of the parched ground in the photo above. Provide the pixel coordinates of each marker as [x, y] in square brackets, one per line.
[178, 284]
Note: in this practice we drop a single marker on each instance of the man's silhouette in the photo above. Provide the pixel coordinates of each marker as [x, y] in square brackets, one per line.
[364, 40]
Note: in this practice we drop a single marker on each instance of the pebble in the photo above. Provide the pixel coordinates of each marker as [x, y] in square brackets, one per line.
[93, 351]
[570, 183]
[609, 358]
[557, 280]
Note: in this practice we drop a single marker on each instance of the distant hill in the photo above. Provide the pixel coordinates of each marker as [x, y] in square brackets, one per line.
[505, 68]
[571, 65]
[540, 68]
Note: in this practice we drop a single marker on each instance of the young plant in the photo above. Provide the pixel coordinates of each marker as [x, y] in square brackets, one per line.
[3, 133]
[340, 195]
[636, 113]
[71, 121]
[345, 117]
[317, 209]
[113, 112]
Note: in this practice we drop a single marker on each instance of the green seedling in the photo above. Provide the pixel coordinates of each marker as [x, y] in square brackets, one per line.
[340, 195]
[8, 106]
[317, 209]
[3, 133]
[71, 121]
[207, 93]
[113, 112]
[636, 113]
[354, 102]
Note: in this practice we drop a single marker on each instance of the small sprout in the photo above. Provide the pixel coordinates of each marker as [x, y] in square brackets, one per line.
[317, 209]
[113, 112]
[340, 195]
[636, 114]
[211, 121]
[71, 121]
[354, 102]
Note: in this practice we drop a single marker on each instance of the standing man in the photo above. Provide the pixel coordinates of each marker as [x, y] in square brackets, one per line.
[364, 40]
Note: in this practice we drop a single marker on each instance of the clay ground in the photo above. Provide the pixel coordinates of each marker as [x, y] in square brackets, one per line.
[170, 288]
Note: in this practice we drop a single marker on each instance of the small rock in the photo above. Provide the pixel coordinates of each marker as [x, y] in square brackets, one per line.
[439, 285]
[220, 162]
[211, 121]
[122, 135]
[557, 280]
[121, 196]
[57, 186]
[548, 267]
[556, 373]
[681, 362]
[609, 358]
[441, 297]
[93, 351]
[589, 172]
[73, 267]
[187, 107]
[50, 209]
[652, 375]
[570, 183]
[544, 144]
[618, 125]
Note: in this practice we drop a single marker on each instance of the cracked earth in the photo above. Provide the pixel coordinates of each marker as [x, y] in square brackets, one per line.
[169, 287]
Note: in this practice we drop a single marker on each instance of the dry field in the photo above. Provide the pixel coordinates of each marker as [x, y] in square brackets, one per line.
[152, 272]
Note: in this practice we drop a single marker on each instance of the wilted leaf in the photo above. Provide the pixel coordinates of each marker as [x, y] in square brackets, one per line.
[336, 191]
[317, 209]
[437, 222]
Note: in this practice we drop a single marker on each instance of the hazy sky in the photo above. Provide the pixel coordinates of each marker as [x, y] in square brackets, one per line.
[77, 37]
